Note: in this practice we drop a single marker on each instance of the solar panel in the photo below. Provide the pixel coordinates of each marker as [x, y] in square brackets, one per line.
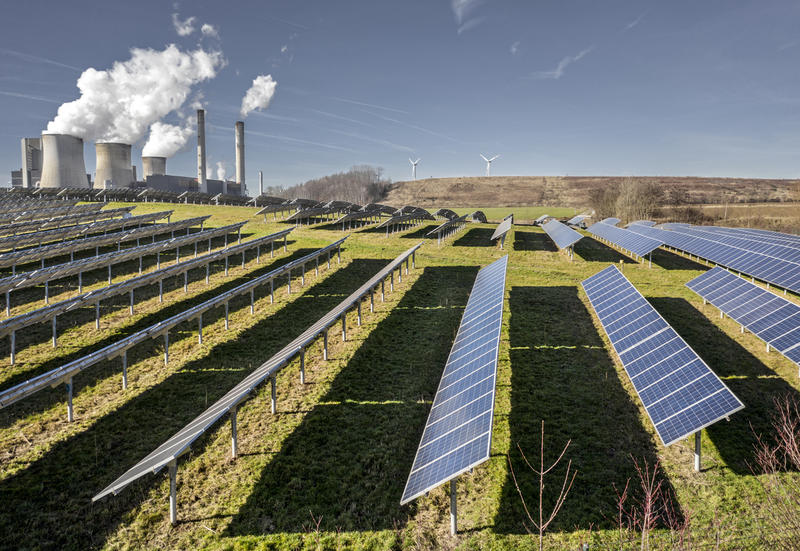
[541, 219]
[628, 240]
[168, 452]
[576, 220]
[773, 319]
[563, 236]
[610, 221]
[678, 390]
[648, 223]
[448, 228]
[502, 229]
[458, 433]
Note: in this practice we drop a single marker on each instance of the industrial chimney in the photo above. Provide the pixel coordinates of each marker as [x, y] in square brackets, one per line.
[114, 164]
[62, 162]
[202, 185]
[240, 154]
[153, 166]
[260, 183]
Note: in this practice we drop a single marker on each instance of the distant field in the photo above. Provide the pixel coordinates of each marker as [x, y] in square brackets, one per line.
[522, 215]
[328, 470]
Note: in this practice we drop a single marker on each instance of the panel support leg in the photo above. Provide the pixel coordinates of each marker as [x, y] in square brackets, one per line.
[160, 290]
[13, 337]
[303, 366]
[274, 394]
[234, 443]
[70, 416]
[453, 508]
[697, 451]
[125, 370]
[97, 315]
[166, 348]
[325, 345]
[200, 329]
[226, 316]
[172, 466]
[55, 337]
[359, 312]
[344, 327]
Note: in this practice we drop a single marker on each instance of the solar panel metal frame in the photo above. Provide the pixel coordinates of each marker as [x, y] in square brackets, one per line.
[605, 280]
[492, 276]
[62, 234]
[180, 442]
[626, 239]
[575, 220]
[770, 317]
[24, 256]
[502, 228]
[453, 223]
[49, 211]
[47, 313]
[60, 221]
[562, 235]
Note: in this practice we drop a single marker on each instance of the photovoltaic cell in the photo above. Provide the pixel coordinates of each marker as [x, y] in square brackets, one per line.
[458, 432]
[637, 244]
[678, 390]
[563, 236]
[773, 319]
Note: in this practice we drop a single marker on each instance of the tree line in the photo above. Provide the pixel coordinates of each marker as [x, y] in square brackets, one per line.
[360, 184]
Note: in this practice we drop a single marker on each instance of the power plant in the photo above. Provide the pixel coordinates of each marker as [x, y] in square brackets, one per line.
[62, 162]
[153, 166]
[56, 161]
[113, 165]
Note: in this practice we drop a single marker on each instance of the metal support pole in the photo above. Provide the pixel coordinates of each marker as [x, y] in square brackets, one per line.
[359, 312]
[289, 282]
[173, 498]
[284, 243]
[316, 268]
[226, 316]
[166, 348]
[160, 290]
[697, 451]
[8, 303]
[344, 327]
[226, 265]
[125, 370]
[13, 337]
[130, 308]
[371, 301]
[200, 329]
[274, 394]
[383, 290]
[303, 366]
[339, 254]
[70, 416]
[186, 281]
[391, 281]
[97, 315]
[46, 292]
[272, 249]
[252, 301]
[453, 508]
[109, 274]
[234, 443]
[271, 291]
[208, 269]
[55, 341]
[325, 345]
[303, 275]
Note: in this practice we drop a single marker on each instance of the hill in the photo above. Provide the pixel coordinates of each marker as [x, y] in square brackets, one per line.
[573, 191]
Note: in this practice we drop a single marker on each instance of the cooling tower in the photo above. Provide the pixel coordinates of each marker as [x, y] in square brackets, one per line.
[202, 185]
[113, 163]
[153, 166]
[240, 153]
[62, 161]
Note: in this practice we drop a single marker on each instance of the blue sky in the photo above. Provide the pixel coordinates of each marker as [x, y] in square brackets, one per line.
[708, 88]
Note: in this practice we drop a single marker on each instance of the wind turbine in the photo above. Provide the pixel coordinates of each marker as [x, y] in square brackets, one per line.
[413, 168]
[489, 163]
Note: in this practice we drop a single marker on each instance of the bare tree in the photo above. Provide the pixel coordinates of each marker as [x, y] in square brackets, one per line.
[638, 200]
[566, 486]
[604, 200]
[360, 184]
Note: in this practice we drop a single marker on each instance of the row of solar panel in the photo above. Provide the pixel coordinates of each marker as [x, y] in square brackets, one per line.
[563, 236]
[772, 318]
[639, 245]
[678, 390]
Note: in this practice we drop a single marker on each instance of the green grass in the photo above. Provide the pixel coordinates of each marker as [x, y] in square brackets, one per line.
[339, 450]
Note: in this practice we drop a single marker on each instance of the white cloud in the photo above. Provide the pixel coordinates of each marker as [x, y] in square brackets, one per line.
[558, 72]
[209, 30]
[284, 48]
[259, 95]
[633, 23]
[514, 48]
[462, 10]
[185, 27]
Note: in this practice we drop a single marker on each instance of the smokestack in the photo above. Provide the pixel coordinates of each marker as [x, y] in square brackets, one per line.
[202, 185]
[240, 154]
[260, 183]
[62, 161]
[152, 166]
[113, 163]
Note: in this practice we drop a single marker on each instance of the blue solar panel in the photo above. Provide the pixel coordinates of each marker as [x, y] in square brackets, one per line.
[773, 319]
[563, 236]
[678, 390]
[458, 432]
[637, 244]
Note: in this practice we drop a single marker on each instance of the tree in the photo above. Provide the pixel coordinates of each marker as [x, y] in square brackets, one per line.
[638, 200]
[361, 184]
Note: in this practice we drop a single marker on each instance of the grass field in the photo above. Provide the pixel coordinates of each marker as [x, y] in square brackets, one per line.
[328, 469]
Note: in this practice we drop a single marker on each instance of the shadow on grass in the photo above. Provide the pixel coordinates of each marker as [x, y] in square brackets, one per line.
[561, 373]
[475, 237]
[48, 503]
[747, 377]
[46, 399]
[672, 261]
[421, 232]
[594, 251]
[349, 458]
[533, 241]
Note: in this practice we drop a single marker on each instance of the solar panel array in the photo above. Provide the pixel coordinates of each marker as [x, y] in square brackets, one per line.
[576, 220]
[776, 264]
[678, 390]
[179, 443]
[502, 228]
[611, 221]
[563, 236]
[773, 319]
[60, 221]
[458, 433]
[648, 223]
[635, 243]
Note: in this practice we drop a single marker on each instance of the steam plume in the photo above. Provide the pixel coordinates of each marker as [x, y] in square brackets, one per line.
[221, 174]
[119, 104]
[259, 95]
[166, 139]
